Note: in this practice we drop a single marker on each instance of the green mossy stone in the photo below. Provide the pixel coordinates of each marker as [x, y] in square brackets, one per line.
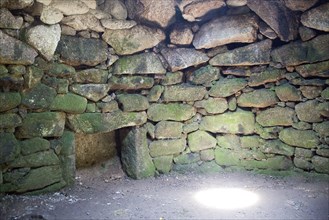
[133, 102]
[269, 75]
[301, 152]
[10, 120]
[68, 166]
[228, 141]
[204, 75]
[225, 157]
[9, 147]
[131, 82]
[91, 108]
[39, 159]
[201, 140]
[34, 145]
[298, 138]
[61, 70]
[308, 111]
[277, 147]
[97, 76]
[212, 105]
[303, 163]
[321, 164]
[168, 129]
[287, 92]
[60, 85]
[163, 164]
[207, 155]
[273, 163]
[227, 87]
[70, 103]
[155, 93]
[276, 116]
[3, 70]
[258, 98]
[187, 158]
[33, 76]
[322, 128]
[183, 92]
[39, 97]
[172, 78]
[67, 142]
[171, 111]
[251, 142]
[9, 100]
[167, 147]
[325, 93]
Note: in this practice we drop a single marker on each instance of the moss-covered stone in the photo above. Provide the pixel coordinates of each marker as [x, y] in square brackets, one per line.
[228, 141]
[319, 69]
[240, 122]
[264, 133]
[266, 76]
[323, 108]
[172, 78]
[97, 76]
[207, 155]
[204, 75]
[91, 108]
[155, 93]
[45, 124]
[232, 105]
[227, 87]
[205, 167]
[190, 127]
[321, 164]
[308, 112]
[259, 98]
[33, 76]
[104, 122]
[9, 147]
[323, 151]
[184, 92]
[251, 142]
[201, 140]
[225, 157]
[187, 158]
[311, 92]
[34, 145]
[131, 82]
[305, 139]
[93, 92]
[9, 100]
[301, 152]
[273, 163]
[70, 103]
[10, 120]
[171, 111]
[303, 163]
[276, 116]
[106, 107]
[60, 85]
[163, 164]
[39, 97]
[168, 129]
[277, 147]
[39, 159]
[133, 102]
[60, 70]
[212, 105]
[322, 128]
[287, 92]
[167, 147]
[325, 93]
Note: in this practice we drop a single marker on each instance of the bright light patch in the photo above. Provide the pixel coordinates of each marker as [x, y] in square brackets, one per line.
[226, 198]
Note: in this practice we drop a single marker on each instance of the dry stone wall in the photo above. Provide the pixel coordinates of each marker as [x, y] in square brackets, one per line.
[204, 85]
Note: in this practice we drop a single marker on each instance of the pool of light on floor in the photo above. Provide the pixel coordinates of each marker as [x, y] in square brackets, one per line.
[226, 198]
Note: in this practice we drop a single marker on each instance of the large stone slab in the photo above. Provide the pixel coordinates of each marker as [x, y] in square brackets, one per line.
[167, 147]
[163, 164]
[135, 156]
[200, 140]
[321, 164]
[240, 122]
[39, 159]
[105, 122]
[205, 75]
[253, 54]
[299, 138]
[9, 147]
[78, 51]
[133, 102]
[130, 82]
[144, 63]
[276, 116]
[83, 22]
[14, 51]
[261, 98]
[152, 11]
[94, 92]
[277, 16]
[44, 124]
[296, 53]
[97, 76]
[70, 103]
[171, 111]
[320, 69]
[168, 129]
[9, 100]
[269, 75]
[183, 92]
[227, 87]
[322, 128]
[308, 111]
[38, 97]
[181, 58]
[226, 30]
[317, 18]
[34, 145]
[287, 92]
[212, 105]
[129, 41]
[277, 147]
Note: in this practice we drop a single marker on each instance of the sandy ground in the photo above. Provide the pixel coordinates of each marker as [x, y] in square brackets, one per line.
[104, 192]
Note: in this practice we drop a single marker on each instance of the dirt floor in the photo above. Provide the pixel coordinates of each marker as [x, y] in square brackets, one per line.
[104, 192]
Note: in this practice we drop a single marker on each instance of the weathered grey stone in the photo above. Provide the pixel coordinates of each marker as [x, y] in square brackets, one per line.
[226, 30]
[190, 127]
[69, 103]
[277, 147]
[152, 11]
[251, 142]
[253, 54]
[236, 3]
[167, 147]
[228, 141]
[83, 22]
[34, 145]
[293, 137]
[261, 98]
[181, 58]
[307, 82]
[171, 111]
[299, 5]
[232, 105]
[303, 163]
[115, 24]
[39, 159]
[129, 41]
[184, 92]
[227, 87]
[14, 51]
[273, 163]
[194, 10]
[277, 16]
[105, 122]
[321, 164]
[301, 125]
[307, 111]
[60, 70]
[322, 128]
[317, 18]
[212, 105]
[269, 75]
[287, 92]
[200, 140]
[16, 4]
[44, 39]
[116, 8]
[187, 158]
[45, 124]
[9, 100]
[311, 92]
[7, 20]
[144, 63]
[94, 92]
[267, 31]
[38, 97]
[9, 147]
[70, 7]
[276, 116]
[130, 82]
[207, 155]
[168, 129]
[10, 120]
[314, 70]
[51, 15]
[181, 35]
[296, 53]
[240, 122]
[155, 93]
[323, 151]
[306, 33]
[108, 106]
[325, 93]
[135, 155]
[77, 51]
[172, 78]
[204, 75]
[163, 164]
[60, 85]
[97, 76]
[133, 102]
[323, 108]
[306, 153]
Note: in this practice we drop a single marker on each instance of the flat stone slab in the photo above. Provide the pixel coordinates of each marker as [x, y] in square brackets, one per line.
[276, 116]
[171, 111]
[260, 98]
[167, 147]
[201, 140]
[317, 18]
[184, 92]
[299, 138]
[227, 87]
[130, 82]
[94, 92]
